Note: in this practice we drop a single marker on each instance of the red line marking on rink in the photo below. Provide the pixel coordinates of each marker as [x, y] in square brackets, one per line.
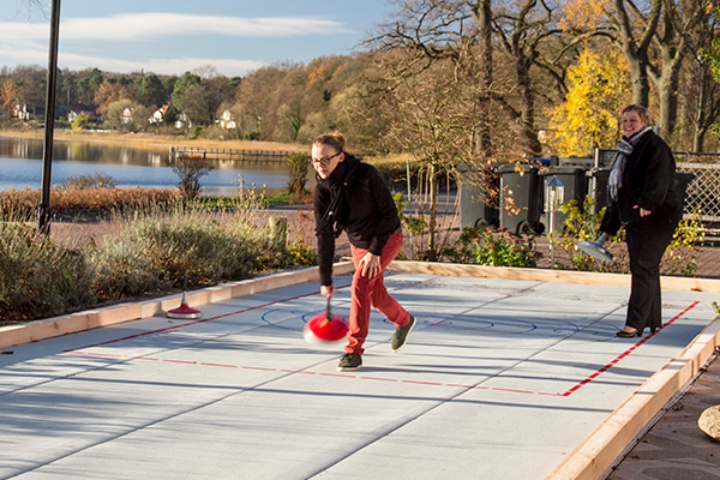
[97, 354]
[418, 382]
[567, 393]
[512, 390]
[187, 324]
[305, 372]
[381, 379]
[221, 365]
[468, 387]
[627, 352]
[550, 394]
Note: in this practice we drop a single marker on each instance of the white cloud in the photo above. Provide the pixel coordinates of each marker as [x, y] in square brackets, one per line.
[163, 66]
[24, 55]
[146, 26]
[27, 43]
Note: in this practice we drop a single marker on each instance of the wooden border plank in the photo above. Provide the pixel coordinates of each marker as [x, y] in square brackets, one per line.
[601, 450]
[13, 335]
[543, 275]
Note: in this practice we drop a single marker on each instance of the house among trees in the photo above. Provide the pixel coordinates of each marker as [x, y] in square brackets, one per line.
[182, 121]
[158, 115]
[127, 116]
[79, 108]
[21, 112]
[227, 120]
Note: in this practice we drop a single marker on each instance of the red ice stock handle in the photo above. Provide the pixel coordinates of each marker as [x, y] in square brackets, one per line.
[328, 314]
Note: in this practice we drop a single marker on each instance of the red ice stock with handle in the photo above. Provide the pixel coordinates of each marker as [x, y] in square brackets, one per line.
[325, 327]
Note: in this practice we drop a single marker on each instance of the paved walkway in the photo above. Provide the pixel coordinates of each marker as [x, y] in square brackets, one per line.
[502, 378]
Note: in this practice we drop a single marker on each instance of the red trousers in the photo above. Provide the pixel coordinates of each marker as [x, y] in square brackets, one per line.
[367, 293]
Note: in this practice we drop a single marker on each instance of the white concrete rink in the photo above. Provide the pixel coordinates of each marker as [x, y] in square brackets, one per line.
[500, 379]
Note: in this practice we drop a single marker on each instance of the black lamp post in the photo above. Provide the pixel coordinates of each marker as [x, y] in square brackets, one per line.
[44, 208]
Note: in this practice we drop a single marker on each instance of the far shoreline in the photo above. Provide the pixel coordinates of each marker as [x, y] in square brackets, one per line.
[156, 142]
[150, 141]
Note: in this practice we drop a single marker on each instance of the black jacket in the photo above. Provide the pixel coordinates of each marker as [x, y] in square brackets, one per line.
[648, 182]
[356, 200]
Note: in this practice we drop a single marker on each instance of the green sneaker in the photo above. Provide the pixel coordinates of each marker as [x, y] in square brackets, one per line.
[349, 362]
[401, 334]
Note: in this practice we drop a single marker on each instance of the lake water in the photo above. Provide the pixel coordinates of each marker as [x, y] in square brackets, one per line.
[21, 167]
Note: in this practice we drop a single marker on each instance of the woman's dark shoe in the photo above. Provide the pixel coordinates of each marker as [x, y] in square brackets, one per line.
[626, 334]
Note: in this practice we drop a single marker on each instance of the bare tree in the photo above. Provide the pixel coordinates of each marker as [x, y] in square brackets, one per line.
[470, 33]
[689, 27]
[190, 169]
[427, 108]
[524, 29]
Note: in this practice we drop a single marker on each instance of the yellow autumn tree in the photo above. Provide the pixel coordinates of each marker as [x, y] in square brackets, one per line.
[599, 86]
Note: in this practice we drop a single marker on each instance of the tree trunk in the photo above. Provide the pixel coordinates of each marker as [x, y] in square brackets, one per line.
[667, 92]
[635, 47]
[527, 109]
[699, 140]
[639, 79]
[672, 47]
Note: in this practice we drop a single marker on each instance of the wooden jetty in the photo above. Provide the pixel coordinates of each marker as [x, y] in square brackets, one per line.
[243, 155]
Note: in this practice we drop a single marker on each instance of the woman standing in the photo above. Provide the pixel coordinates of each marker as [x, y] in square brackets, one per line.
[642, 198]
[351, 196]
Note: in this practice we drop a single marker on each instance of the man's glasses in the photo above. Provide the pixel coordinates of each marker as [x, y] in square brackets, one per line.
[324, 161]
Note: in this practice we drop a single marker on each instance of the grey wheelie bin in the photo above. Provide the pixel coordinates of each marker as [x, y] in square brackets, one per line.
[521, 199]
[597, 179]
[574, 184]
[476, 210]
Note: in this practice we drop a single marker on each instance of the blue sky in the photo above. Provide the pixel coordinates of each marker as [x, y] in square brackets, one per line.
[174, 36]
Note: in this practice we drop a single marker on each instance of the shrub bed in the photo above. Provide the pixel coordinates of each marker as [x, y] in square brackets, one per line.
[152, 247]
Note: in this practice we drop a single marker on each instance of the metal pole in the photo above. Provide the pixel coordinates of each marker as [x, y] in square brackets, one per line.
[44, 208]
[407, 174]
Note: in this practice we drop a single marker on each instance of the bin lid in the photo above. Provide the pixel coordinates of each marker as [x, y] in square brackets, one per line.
[511, 168]
[563, 170]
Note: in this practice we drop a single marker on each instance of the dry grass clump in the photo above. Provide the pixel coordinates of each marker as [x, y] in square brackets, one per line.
[147, 252]
[152, 252]
[40, 279]
[90, 203]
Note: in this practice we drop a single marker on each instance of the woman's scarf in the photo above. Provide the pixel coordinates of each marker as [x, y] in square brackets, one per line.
[625, 148]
